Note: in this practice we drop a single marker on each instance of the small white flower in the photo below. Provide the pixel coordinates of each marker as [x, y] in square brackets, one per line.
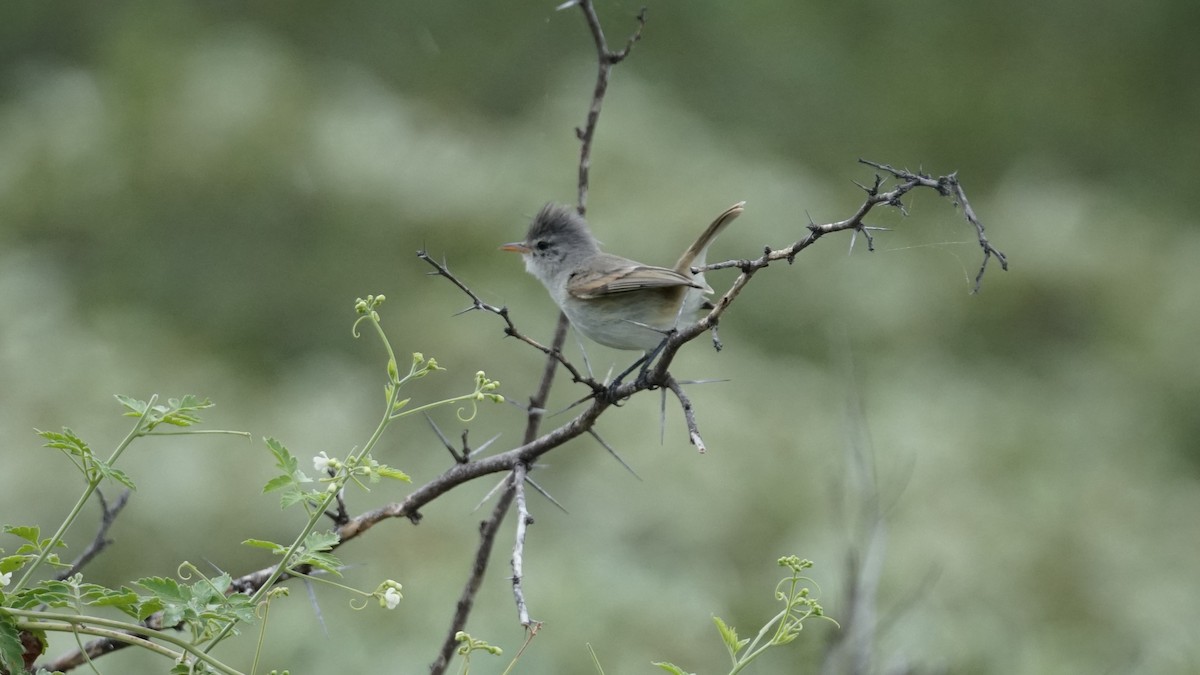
[391, 598]
[6, 578]
[323, 462]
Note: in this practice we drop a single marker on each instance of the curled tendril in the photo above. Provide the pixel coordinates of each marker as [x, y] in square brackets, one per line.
[186, 570]
[354, 604]
[467, 418]
[354, 328]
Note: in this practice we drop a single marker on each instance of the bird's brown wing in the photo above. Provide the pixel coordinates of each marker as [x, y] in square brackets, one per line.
[626, 278]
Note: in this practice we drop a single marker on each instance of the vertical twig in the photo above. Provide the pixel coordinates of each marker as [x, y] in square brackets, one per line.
[537, 403]
[101, 541]
[605, 61]
[524, 520]
[466, 601]
[689, 412]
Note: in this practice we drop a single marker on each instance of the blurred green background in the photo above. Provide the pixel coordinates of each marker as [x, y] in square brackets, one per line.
[192, 195]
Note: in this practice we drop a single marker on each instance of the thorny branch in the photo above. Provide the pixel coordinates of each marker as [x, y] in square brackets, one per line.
[510, 328]
[946, 186]
[689, 413]
[518, 460]
[606, 60]
[466, 601]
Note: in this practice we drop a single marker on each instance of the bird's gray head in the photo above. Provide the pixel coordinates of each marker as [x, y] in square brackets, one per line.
[558, 239]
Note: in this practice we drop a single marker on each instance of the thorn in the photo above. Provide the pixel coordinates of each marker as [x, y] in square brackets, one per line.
[662, 418]
[587, 364]
[490, 493]
[566, 5]
[613, 453]
[445, 441]
[585, 399]
[483, 447]
[545, 494]
[312, 599]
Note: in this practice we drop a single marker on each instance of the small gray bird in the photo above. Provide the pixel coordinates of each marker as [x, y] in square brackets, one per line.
[615, 301]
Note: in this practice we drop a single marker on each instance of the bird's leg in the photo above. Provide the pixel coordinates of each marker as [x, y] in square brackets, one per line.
[616, 383]
[649, 359]
[644, 362]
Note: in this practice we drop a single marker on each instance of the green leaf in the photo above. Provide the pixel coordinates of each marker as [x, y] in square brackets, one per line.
[324, 561]
[277, 483]
[133, 407]
[101, 596]
[389, 472]
[671, 668]
[262, 543]
[207, 592]
[321, 541]
[285, 461]
[52, 593]
[314, 552]
[164, 588]
[66, 441]
[182, 411]
[148, 607]
[239, 605]
[283, 458]
[111, 597]
[13, 563]
[124, 599]
[788, 636]
[11, 651]
[729, 636]
[115, 474]
[29, 533]
[296, 495]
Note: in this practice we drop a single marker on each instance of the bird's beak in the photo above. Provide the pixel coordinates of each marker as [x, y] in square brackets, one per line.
[515, 247]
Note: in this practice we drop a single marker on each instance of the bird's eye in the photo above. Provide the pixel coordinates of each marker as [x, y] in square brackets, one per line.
[542, 245]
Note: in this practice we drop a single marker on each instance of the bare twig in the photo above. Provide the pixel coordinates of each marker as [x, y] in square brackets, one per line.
[605, 59]
[101, 541]
[554, 351]
[537, 403]
[689, 413]
[524, 520]
[466, 601]
[339, 516]
[949, 186]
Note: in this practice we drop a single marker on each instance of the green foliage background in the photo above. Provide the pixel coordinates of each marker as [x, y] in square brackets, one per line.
[192, 195]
